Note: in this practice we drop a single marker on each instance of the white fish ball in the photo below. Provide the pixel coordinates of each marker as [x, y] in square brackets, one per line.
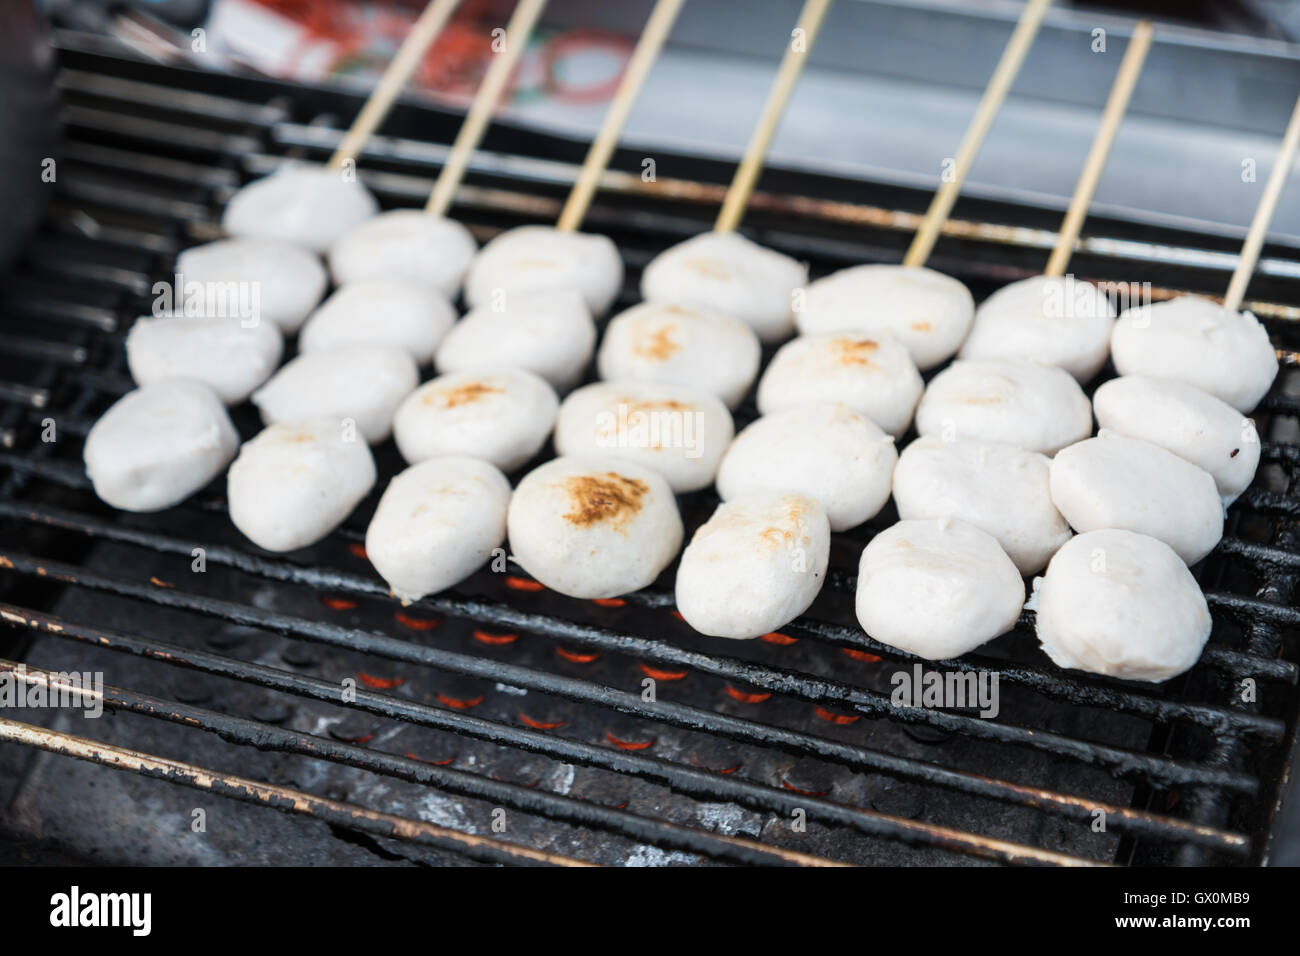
[997, 488]
[436, 524]
[503, 416]
[594, 527]
[394, 312]
[307, 204]
[681, 345]
[361, 384]
[549, 333]
[824, 450]
[1122, 604]
[407, 245]
[679, 431]
[874, 375]
[158, 444]
[1050, 320]
[1116, 482]
[1036, 407]
[755, 566]
[937, 588]
[1194, 340]
[223, 353]
[293, 484]
[279, 281]
[725, 272]
[927, 311]
[1185, 420]
[544, 259]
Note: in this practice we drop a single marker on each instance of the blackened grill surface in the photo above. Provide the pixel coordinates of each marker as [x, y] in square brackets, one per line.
[504, 705]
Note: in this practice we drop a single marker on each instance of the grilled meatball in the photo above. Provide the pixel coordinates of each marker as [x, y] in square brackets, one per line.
[306, 204]
[937, 588]
[503, 416]
[1034, 407]
[1045, 319]
[754, 566]
[1122, 604]
[541, 259]
[158, 444]
[436, 524]
[681, 345]
[927, 311]
[293, 484]
[594, 527]
[1194, 340]
[725, 272]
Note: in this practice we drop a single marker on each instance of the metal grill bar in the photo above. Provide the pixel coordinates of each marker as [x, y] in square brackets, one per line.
[266, 736]
[485, 849]
[751, 732]
[694, 782]
[698, 783]
[1123, 762]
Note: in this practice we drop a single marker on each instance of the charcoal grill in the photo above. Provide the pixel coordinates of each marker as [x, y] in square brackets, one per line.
[504, 723]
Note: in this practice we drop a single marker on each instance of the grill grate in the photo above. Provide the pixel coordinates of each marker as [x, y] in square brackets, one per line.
[540, 699]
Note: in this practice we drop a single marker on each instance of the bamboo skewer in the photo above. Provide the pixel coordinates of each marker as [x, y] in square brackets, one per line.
[485, 101]
[1003, 76]
[643, 57]
[1264, 214]
[423, 32]
[1116, 105]
[742, 184]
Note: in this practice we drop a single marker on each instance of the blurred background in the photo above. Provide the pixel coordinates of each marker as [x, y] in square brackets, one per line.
[886, 96]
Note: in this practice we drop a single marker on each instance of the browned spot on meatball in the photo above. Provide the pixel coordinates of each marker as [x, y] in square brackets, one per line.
[708, 267]
[658, 345]
[610, 498]
[855, 351]
[784, 533]
[461, 394]
[635, 405]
